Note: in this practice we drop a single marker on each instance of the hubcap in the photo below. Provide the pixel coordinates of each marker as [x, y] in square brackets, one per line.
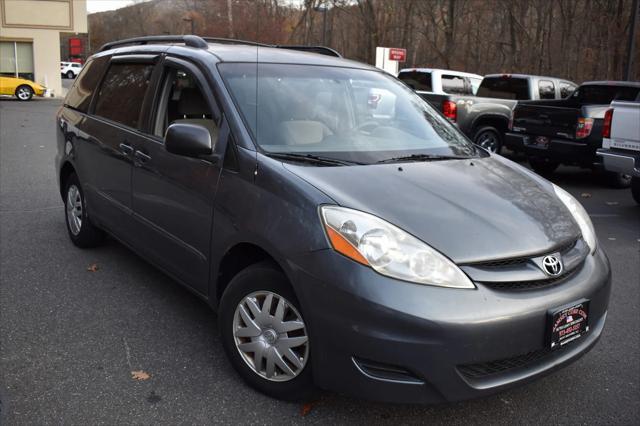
[74, 209]
[488, 141]
[23, 93]
[270, 335]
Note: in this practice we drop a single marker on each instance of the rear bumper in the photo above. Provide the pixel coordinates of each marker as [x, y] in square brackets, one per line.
[564, 151]
[621, 161]
[430, 338]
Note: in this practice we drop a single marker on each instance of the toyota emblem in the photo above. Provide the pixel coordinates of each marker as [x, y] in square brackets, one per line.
[552, 265]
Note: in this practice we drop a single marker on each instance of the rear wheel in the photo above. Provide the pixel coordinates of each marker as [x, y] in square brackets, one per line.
[24, 92]
[82, 232]
[489, 138]
[543, 166]
[70, 74]
[264, 333]
[617, 180]
[635, 189]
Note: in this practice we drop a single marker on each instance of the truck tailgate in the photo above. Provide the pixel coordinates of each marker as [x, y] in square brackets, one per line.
[545, 120]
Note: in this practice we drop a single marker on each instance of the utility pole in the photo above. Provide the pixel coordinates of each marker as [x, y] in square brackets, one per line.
[632, 40]
[323, 9]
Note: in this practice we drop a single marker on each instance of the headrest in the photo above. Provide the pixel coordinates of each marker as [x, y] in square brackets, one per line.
[192, 102]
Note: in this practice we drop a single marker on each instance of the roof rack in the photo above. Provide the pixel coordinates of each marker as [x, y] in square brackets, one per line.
[202, 43]
[188, 40]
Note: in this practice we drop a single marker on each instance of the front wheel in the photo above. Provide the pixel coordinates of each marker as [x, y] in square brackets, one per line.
[489, 138]
[24, 93]
[265, 335]
[635, 189]
[82, 232]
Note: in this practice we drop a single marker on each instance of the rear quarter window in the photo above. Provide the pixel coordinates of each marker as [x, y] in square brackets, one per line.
[417, 80]
[504, 88]
[455, 85]
[546, 89]
[79, 96]
[122, 93]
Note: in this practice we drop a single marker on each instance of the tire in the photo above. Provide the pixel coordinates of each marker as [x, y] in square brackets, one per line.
[542, 166]
[82, 231]
[24, 93]
[489, 138]
[254, 284]
[635, 189]
[70, 74]
[617, 180]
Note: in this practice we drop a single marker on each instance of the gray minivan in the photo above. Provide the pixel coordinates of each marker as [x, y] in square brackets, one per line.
[375, 253]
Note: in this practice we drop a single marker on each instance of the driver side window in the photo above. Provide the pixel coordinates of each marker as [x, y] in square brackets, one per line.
[182, 101]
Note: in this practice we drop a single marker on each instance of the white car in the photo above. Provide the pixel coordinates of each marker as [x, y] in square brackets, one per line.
[70, 69]
[620, 150]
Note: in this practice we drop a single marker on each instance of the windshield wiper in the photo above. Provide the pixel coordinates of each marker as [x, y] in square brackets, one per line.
[310, 158]
[421, 157]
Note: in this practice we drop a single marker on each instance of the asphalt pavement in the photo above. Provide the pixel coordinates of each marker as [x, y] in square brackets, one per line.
[74, 324]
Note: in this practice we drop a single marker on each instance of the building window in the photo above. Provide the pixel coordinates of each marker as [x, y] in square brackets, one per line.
[16, 59]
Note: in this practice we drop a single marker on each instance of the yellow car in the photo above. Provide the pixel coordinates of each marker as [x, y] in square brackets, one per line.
[20, 88]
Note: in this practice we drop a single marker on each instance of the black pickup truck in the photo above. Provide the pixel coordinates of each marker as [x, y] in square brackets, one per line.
[484, 118]
[568, 131]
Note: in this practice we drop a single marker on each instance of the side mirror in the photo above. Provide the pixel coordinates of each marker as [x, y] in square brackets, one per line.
[190, 140]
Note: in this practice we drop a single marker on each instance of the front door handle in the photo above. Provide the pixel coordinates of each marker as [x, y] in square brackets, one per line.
[142, 157]
[125, 149]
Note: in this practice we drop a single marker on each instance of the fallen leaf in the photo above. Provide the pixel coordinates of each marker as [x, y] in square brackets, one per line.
[93, 267]
[140, 375]
[585, 195]
[306, 408]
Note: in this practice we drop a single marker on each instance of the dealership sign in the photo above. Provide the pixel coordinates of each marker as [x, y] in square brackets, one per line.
[396, 54]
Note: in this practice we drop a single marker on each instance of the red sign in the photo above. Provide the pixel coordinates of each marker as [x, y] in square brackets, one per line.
[396, 54]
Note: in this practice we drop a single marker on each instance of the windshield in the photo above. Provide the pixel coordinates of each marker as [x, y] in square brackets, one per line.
[342, 113]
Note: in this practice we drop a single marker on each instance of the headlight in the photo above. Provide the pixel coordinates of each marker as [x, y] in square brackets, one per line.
[580, 215]
[388, 249]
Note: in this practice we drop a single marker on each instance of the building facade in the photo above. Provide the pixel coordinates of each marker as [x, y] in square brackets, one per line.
[30, 37]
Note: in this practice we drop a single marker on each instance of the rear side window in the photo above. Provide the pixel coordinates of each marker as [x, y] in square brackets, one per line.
[79, 96]
[504, 88]
[566, 89]
[455, 85]
[604, 95]
[122, 92]
[546, 89]
[417, 80]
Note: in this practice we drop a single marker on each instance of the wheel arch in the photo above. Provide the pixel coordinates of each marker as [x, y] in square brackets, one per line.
[66, 170]
[499, 122]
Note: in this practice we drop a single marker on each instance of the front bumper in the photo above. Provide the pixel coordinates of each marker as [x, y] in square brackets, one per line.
[579, 152]
[620, 161]
[383, 339]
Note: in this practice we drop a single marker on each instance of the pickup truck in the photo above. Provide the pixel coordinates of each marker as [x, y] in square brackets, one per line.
[484, 118]
[568, 131]
[620, 150]
[433, 81]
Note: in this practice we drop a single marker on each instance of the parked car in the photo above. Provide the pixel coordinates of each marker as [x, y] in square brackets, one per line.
[381, 255]
[433, 81]
[484, 118]
[569, 131]
[70, 69]
[620, 150]
[21, 88]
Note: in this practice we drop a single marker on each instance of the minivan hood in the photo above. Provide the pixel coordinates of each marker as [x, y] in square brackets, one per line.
[470, 210]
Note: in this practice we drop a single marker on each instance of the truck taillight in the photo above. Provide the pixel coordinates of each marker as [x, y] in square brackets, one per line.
[583, 128]
[450, 110]
[606, 126]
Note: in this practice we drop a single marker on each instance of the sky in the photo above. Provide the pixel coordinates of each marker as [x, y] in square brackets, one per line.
[102, 5]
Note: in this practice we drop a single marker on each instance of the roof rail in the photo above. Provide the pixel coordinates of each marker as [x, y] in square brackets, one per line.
[188, 40]
[202, 43]
[322, 50]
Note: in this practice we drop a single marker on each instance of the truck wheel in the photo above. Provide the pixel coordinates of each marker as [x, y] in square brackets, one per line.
[542, 166]
[489, 138]
[264, 333]
[617, 180]
[635, 189]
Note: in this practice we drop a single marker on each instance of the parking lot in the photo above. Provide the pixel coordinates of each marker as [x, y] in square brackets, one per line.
[75, 323]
